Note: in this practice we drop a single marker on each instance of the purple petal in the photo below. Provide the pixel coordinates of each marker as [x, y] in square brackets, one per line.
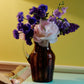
[43, 7]
[15, 34]
[52, 19]
[20, 17]
[64, 9]
[33, 10]
[57, 13]
[28, 17]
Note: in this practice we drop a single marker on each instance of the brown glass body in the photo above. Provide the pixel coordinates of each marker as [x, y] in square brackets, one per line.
[42, 63]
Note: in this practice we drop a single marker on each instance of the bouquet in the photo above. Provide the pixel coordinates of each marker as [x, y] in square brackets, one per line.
[43, 27]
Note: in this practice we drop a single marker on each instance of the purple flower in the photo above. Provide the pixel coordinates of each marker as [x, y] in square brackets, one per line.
[26, 28]
[37, 17]
[33, 10]
[20, 26]
[63, 26]
[28, 17]
[28, 41]
[58, 14]
[66, 23]
[20, 17]
[52, 19]
[39, 12]
[59, 22]
[64, 10]
[71, 28]
[29, 36]
[15, 34]
[32, 20]
[43, 7]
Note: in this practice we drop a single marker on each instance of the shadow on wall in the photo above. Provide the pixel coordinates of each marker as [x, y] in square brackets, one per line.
[75, 6]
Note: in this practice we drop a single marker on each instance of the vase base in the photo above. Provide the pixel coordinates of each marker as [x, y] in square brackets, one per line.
[47, 81]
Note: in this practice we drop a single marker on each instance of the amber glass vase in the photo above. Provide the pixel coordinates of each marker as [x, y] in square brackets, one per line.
[42, 63]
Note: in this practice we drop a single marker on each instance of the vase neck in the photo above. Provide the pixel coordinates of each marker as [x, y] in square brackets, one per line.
[38, 47]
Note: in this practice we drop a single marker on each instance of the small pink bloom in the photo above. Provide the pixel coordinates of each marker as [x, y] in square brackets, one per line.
[21, 36]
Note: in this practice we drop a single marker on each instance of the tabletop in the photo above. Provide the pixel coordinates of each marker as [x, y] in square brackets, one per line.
[61, 78]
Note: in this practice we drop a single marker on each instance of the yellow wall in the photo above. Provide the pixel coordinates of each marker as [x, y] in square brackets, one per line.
[69, 49]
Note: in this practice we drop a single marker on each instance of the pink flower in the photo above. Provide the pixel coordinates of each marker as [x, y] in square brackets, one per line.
[46, 31]
[21, 35]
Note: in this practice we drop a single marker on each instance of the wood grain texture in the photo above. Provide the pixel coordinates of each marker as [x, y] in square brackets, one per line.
[6, 66]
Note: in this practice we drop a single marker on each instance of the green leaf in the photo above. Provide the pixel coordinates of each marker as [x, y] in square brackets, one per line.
[47, 14]
[62, 3]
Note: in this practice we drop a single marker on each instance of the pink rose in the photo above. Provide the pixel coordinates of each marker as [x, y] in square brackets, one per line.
[46, 31]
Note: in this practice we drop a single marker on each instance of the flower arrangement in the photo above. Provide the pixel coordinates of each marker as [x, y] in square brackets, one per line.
[42, 27]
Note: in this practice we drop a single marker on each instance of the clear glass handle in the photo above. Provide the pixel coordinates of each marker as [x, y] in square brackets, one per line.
[27, 49]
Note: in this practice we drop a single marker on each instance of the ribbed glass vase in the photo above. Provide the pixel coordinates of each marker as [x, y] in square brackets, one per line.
[42, 61]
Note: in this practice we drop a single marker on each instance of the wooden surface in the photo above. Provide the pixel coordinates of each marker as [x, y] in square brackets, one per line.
[6, 67]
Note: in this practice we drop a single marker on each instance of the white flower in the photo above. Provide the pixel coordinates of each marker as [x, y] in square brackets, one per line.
[46, 31]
